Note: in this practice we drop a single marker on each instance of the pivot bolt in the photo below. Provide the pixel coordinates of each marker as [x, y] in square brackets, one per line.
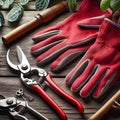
[9, 101]
[24, 67]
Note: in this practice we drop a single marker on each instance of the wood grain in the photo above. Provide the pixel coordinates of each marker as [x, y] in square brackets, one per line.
[10, 82]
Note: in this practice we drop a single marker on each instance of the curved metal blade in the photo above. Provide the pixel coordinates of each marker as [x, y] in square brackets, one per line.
[23, 62]
[9, 61]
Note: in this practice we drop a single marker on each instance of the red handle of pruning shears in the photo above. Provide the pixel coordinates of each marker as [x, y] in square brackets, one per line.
[63, 94]
[50, 101]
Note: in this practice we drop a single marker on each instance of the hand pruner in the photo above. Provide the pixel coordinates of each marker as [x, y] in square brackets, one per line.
[16, 108]
[25, 71]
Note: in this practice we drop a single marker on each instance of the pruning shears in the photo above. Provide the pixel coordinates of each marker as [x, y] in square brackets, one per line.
[25, 71]
[16, 108]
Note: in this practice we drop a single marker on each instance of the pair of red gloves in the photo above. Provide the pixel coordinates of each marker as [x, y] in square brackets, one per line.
[87, 32]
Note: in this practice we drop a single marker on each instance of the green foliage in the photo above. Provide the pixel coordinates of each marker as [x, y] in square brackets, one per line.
[2, 20]
[15, 10]
[1, 3]
[8, 3]
[41, 4]
[72, 5]
[105, 4]
[23, 2]
[15, 13]
[113, 4]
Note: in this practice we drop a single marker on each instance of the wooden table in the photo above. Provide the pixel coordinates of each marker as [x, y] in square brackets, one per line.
[10, 82]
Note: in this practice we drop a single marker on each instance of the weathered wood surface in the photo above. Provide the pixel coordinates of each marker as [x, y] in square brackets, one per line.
[10, 82]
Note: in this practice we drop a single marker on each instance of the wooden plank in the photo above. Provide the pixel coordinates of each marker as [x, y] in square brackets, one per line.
[10, 82]
[31, 5]
[25, 42]
[9, 86]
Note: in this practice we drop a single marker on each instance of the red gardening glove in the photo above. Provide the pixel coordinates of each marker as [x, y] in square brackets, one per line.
[66, 41]
[100, 66]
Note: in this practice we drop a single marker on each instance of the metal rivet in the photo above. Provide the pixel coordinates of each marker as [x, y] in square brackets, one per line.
[9, 101]
[24, 67]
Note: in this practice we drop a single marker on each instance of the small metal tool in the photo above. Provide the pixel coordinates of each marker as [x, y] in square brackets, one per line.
[21, 93]
[16, 107]
[26, 71]
[116, 105]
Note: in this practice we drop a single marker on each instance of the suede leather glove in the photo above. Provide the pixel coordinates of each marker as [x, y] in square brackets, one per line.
[100, 66]
[66, 41]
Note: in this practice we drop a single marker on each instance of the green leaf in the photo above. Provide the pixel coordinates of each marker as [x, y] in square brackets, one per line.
[72, 5]
[1, 3]
[15, 13]
[105, 4]
[41, 4]
[8, 3]
[2, 20]
[23, 2]
[115, 4]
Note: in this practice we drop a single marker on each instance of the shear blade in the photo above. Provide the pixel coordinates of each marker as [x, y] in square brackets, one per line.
[19, 53]
[10, 63]
[21, 59]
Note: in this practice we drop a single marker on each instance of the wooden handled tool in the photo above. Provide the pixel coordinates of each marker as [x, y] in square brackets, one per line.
[107, 106]
[43, 17]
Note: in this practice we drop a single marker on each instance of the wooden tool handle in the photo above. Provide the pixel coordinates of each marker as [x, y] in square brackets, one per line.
[43, 17]
[104, 109]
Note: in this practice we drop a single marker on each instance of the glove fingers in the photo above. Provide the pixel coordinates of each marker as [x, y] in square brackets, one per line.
[46, 35]
[84, 77]
[59, 49]
[51, 54]
[91, 23]
[93, 81]
[79, 68]
[106, 82]
[41, 47]
[71, 54]
[67, 57]
[80, 74]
